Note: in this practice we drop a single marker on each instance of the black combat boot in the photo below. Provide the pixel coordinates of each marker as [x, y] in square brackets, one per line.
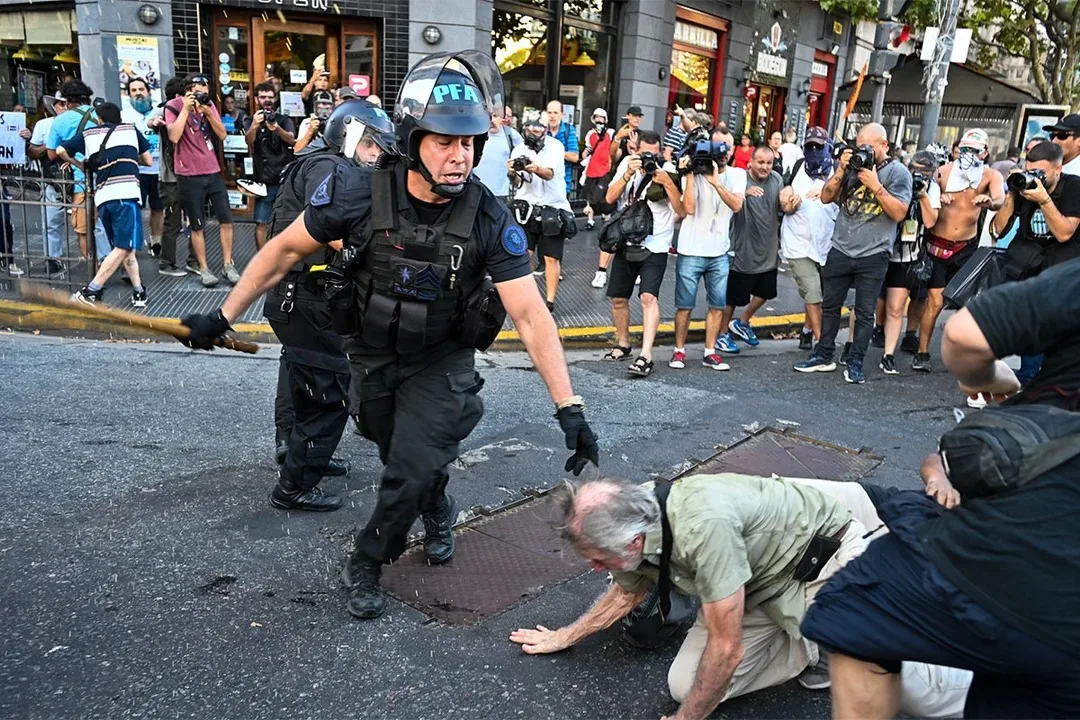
[438, 527]
[361, 578]
[288, 496]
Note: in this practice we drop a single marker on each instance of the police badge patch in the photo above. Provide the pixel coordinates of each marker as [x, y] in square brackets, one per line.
[514, 240]
[323, 194]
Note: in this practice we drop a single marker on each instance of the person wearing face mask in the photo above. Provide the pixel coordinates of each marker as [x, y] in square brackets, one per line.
[598, 172]
[323, 103]
[137, 113]
[432, 264]
[968, 187]
[270, 137]
[806, 234]
[540, 204]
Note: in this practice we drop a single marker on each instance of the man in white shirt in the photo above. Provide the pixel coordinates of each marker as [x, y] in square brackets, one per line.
[713, 193]
[141, 105]
[806, 234]
[540, 205]
[790, 152]
[1067, 134]
[649, 260]
[491, 169]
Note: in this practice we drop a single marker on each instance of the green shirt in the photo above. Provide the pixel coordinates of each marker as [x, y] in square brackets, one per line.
[733, 530]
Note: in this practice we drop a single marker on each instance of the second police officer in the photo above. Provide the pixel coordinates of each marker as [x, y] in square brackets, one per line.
[429, 243]
[310, 411]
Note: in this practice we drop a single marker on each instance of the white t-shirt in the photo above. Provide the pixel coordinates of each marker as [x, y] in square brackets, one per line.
[544, 192]
[1072, 167]
[789, 153]
[41, 131]
[807, 232]
[663, 215]
[136, 118]
[707, 233]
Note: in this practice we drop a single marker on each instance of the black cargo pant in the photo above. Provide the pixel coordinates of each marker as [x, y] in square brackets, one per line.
[311, 408]
[417, 417]
[170, 231]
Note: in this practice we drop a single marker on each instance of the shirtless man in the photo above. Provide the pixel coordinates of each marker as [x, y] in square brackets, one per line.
[968, 186]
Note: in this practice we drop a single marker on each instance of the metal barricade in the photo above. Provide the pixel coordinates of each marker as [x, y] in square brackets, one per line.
[37, 234]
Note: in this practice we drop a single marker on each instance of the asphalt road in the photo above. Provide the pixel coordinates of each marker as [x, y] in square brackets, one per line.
[146, 576]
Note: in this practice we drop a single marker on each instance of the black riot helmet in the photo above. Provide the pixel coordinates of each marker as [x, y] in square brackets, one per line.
[449, 94]
[352, 121]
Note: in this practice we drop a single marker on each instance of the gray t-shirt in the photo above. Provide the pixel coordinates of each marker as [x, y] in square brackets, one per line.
[755, 231]
[862, 227]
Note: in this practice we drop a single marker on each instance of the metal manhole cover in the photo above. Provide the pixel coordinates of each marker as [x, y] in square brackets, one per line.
[772, 451]
[499, 563]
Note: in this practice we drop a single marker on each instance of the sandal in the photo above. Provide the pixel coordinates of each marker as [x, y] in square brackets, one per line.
[617, 353]
[640, 367]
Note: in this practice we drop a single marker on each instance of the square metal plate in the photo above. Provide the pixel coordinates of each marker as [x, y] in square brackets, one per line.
[770, 451]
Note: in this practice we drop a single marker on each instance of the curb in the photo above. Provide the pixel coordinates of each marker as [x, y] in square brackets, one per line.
[34, 317]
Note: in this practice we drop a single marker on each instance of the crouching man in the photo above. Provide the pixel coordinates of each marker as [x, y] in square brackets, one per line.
[754, 550]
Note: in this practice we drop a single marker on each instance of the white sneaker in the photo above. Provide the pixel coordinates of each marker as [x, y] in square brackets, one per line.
[976, 401]
[599, 280]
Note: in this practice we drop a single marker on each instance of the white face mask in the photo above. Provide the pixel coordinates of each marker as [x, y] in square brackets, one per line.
[970, 168]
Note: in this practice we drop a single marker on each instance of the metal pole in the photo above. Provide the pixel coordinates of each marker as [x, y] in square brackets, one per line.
[877, 109]
[553, 62]
[937, 74]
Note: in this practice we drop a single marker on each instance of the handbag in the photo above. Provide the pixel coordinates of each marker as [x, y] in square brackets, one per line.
[980, 273]
[664, 611]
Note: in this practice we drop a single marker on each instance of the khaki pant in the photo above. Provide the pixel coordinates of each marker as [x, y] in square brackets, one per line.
[772, 657]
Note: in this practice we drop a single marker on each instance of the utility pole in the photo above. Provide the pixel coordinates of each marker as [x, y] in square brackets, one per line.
[937, 75]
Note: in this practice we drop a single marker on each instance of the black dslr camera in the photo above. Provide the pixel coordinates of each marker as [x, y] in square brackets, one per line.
[520, 163]
[919, 182]
[705, 153]
[650, 163]
[862, 158]
[1024, 180]
[202, 98]
[271, 117]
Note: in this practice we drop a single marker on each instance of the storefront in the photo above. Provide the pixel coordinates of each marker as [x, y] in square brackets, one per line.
[698, 50]
[39, 49]
[819, 99]
[769, 73]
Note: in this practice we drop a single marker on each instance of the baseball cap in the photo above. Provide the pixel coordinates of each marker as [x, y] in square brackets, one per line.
[634, 110]
[1069, 123]
[974, 138]
[599, 111]
[816, 136]
[346, 93]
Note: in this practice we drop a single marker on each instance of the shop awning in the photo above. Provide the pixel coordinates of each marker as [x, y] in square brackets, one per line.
[11, 26]
[42, 27]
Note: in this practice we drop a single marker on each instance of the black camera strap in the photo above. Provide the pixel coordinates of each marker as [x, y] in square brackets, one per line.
[663, 584]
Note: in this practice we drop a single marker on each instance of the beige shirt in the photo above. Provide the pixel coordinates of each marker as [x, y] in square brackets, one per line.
[733, 530]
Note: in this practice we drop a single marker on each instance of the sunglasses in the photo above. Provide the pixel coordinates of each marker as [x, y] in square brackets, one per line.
[1062, 134]
[200, 80]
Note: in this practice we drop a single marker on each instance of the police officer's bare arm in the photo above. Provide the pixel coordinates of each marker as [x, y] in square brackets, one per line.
[534, 323]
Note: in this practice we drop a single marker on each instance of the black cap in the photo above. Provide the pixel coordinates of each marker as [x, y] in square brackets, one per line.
[1069, 123]
[634, 110]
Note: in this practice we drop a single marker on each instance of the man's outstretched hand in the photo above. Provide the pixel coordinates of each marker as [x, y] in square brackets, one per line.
[205, 329]
[937, 482]
[579, 437]
[539, 641]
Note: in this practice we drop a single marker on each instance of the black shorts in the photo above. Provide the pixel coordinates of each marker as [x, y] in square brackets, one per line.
[622, 274]
[945, 270]
[546, 245]
[595, 191]
[897, 277]
[196, 190]
[740, 286]
[151, 198]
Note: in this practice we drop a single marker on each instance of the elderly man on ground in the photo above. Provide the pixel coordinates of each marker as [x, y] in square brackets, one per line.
[755, 551]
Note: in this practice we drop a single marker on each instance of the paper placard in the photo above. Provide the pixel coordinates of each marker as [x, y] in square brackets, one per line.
[297, 77]
[236, 199]
[249, 166]
[360, 84]
[12, 147]
[292, 104]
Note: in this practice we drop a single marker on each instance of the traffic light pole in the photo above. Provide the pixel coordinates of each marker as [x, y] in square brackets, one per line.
[877, 109]
[937, 76]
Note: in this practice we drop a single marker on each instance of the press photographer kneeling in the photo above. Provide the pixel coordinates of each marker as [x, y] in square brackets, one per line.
[538, 188]
[1047, 203]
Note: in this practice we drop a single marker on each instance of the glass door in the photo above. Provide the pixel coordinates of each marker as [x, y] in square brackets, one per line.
[290, 55]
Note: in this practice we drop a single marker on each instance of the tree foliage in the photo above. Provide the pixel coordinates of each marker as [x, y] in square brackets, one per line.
[1044, 33]
[919, 14]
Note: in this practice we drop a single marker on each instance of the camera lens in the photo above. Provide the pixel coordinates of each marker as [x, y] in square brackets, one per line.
[1020, 181]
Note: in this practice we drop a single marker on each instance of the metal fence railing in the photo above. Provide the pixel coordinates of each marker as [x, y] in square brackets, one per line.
[38, 239]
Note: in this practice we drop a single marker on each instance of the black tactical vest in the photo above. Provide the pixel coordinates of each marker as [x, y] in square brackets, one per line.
[409, 291]
[270, 155]
[292, 198]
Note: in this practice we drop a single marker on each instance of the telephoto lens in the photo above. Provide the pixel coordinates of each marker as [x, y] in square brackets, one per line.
[649, 163]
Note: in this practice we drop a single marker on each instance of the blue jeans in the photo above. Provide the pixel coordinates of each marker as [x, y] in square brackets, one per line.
[264, 206]
[52, 222]
[1029, 368]
[690, 269]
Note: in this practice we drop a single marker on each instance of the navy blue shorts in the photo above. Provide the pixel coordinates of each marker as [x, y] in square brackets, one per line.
[891, 604]
[122, 220]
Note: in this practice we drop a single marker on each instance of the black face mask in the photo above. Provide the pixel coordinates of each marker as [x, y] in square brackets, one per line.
[536, 144]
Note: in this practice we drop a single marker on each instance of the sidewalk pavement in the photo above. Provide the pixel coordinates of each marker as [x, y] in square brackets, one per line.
[582, 312]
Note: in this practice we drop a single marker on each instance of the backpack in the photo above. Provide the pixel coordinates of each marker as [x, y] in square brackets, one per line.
[1004, 448]
[629, 227]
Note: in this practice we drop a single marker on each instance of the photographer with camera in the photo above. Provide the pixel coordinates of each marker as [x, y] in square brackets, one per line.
[540, 206]
[193, 124]
[625, 142]
[968, 187]
[713, 193]
[311, 127]
[270, 137]
[873, 192]
[1046, 201]
[642, 177]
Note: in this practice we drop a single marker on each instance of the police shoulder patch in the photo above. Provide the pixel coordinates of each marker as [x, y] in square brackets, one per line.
[324, 193]
[513, 239]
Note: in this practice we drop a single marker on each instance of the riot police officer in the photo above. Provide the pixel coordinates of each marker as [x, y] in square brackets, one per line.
[435, 251]
[310, 411]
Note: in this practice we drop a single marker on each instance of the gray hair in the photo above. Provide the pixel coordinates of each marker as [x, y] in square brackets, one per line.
[606, 514]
